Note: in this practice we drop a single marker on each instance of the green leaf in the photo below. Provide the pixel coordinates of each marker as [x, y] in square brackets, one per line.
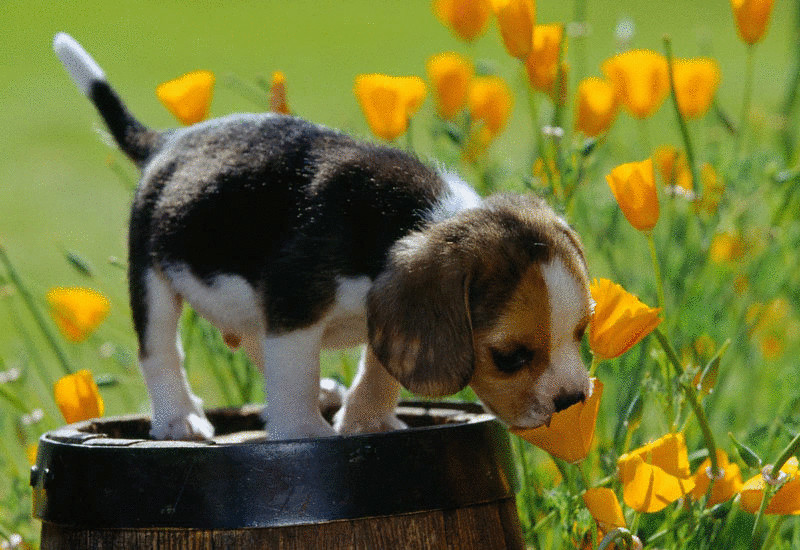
[746, 453]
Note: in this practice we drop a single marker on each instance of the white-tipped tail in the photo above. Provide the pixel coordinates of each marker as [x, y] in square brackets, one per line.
[79, 64]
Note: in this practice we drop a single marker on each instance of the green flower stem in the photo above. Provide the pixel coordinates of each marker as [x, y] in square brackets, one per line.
[656, 271]
[790, 450]
[687, 140]
[558, 114]
[694, 402]
[746, 98]
[593, 366]
[409, 138]
[769, 490]
[30, 303]
[773, 532]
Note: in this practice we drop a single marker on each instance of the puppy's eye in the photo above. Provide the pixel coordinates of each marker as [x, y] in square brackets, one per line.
[512, 361]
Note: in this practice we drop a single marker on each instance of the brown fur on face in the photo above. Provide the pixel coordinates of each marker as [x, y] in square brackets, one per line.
[459, 295]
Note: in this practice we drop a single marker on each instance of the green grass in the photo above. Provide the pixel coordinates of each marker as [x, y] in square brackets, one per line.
[58, 193]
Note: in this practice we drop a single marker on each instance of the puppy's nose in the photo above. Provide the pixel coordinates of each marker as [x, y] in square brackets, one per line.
[564, 400]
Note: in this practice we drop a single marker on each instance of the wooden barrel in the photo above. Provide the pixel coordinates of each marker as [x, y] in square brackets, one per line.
[447, 482]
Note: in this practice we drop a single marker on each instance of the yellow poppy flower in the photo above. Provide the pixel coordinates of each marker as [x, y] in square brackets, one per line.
[785, 502]
[388, 102]
[450, 75]
[597, 106]
[634, 186]
[752, 18]
[640, 80]
[30, 453]
[725, 487]
[78, 397]
[188, 97]
[673, 168]
[516, 19]
[77, 311]
[490, 102]
[727, 248]
[619, 321]
[655, 475]
[571, 431]
[604, 507]
[466, 18]
[542, 63]
[277, 94]
[696, 82]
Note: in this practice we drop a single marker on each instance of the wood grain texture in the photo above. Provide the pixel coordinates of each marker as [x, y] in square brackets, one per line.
[480, 527]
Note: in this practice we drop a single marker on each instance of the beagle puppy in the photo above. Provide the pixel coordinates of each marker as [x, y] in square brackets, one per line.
[292, 238]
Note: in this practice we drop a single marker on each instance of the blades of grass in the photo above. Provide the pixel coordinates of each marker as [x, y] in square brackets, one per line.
[34, 310]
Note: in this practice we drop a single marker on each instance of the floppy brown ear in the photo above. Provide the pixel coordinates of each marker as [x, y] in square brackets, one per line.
[418, 316]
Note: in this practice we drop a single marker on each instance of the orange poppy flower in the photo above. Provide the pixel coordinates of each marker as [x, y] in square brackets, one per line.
[725, 487]
[640, 80]
[656, 475]
[673, 168]
[597, 106]
[77, 397]
[467, 18]
[571, 431]
[277, 94]
[696, 82]
[752, 18]
[450, 75]
[388, 102]
[727, 248]
[604, 507]
[77, 311]
[542, 62]
[516, 19]
[490, 102]
[620, 320]
[188, 97]
[634, 186]
[786, 501]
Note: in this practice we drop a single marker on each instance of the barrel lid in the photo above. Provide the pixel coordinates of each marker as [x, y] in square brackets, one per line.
[107, 473]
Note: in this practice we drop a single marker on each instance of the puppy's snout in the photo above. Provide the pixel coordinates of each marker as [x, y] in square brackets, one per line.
[565, 400]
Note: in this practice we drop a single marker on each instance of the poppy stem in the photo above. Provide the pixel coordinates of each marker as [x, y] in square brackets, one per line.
[656, 271]
[746, 98]
[691, 397]
[787, 453]
[687, 140]
[409, 138]
[593, 366]
[765, 498]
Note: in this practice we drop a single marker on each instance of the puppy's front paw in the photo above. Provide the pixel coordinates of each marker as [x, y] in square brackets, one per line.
[191, 425]
[345, 423]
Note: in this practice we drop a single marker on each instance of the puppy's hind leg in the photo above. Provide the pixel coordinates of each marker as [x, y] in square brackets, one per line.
[177, 412]
[291, 371]
[370, 404]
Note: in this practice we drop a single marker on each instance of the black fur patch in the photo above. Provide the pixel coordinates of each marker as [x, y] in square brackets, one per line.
[285, 204]
[137, 141]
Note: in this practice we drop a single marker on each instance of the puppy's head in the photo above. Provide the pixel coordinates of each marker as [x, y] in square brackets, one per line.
[496, 297]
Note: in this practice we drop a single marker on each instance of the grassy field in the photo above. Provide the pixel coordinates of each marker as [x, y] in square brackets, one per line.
[65, 190]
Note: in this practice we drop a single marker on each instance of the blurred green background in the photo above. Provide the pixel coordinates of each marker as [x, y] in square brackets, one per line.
[58, 192]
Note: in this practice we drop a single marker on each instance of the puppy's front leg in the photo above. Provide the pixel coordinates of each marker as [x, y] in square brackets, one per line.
[291, 362]
[369, 405]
